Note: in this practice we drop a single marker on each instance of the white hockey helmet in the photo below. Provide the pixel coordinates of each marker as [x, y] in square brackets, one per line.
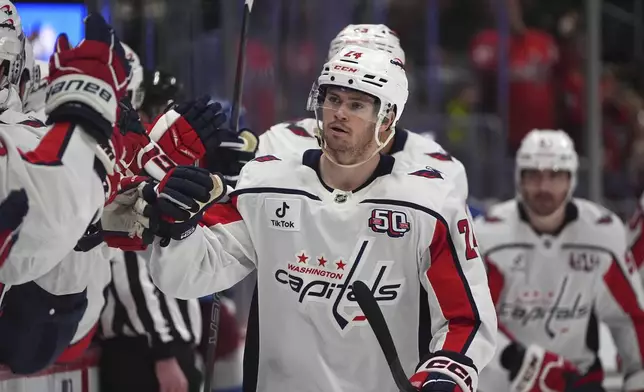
[370, 36]
[27, 75]
[12, 44]
[367, 70]
[135, 88]
[546, 149]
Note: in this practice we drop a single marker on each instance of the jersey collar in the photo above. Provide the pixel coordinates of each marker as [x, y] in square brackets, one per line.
[311, 158]
[400, 139]
[571, 215]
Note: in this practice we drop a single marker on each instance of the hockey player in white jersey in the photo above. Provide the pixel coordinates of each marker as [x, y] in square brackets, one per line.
[49, 195]
[556, 266]
[298, 136]
[314, 224]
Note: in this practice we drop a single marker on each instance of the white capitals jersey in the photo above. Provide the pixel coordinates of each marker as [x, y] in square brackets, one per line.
[552, 290]
[635, 230]
[51, 169]
[295, 137]
[405, 233]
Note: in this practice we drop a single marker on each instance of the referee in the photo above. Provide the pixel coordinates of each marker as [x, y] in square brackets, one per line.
[148, 339]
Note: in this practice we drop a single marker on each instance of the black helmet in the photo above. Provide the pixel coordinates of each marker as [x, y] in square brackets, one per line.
[161, 89]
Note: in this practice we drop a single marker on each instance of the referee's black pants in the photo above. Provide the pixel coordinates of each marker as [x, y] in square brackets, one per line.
[127, 365]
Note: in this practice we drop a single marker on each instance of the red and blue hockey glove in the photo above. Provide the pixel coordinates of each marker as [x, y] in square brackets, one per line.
[186, 131]
[180, 200]
[446, 371]
[86, 82]
[233, 152]
[534, 369]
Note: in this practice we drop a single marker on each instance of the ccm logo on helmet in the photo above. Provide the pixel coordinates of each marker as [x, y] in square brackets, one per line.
[80, 85]
[344, 68]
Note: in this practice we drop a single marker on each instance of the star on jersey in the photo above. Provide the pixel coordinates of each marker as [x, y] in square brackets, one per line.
[322, 261]
[302, 258]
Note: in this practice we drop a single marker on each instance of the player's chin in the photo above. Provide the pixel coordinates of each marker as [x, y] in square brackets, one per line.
[543, 208]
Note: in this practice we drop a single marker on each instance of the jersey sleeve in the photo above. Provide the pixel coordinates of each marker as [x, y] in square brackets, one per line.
[620, 304]
[48, 198]
[268, 143]
[463, 319]
[216, 256]
[635, 235]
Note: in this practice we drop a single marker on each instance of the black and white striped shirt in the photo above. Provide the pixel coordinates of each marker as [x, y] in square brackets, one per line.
[135, 307]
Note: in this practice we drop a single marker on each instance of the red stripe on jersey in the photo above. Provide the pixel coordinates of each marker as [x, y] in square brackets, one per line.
[451, 291]
[51, 148]
[221, 213]
[638, 247]
[621, 289]
[495, 280]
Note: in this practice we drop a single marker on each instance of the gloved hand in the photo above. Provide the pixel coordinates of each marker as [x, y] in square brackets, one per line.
[534, 369]
[141, 155]
[123, 224]
[234, 151]
[445, 371]
[186, 131]
[180, 200]
[87, 81]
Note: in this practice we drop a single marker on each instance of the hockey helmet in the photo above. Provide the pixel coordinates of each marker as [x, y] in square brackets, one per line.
[370, 36]
[546, 149]
[135, 89]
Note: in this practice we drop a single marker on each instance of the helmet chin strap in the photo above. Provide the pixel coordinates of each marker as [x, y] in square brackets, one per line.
[319, 134]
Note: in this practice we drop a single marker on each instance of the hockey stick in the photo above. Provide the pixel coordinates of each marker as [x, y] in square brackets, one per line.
[376, 320]
[234, 124]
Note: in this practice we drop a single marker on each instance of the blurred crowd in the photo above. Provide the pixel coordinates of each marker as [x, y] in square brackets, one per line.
[482, 74]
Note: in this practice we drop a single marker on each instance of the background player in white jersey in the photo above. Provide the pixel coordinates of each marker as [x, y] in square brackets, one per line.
[556, 266]
[298, 136]
[313, 225]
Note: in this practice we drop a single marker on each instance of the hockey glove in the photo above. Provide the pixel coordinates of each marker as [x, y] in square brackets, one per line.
[234, 151]
[123, 224]
[446, 371]
[180, 200]
[534, 369]
[87, 81]
[141, 155]
[186, 131]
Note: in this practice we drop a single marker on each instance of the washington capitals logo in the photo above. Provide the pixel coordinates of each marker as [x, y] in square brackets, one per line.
[398, 62]
[439, 156]
[428, 172]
